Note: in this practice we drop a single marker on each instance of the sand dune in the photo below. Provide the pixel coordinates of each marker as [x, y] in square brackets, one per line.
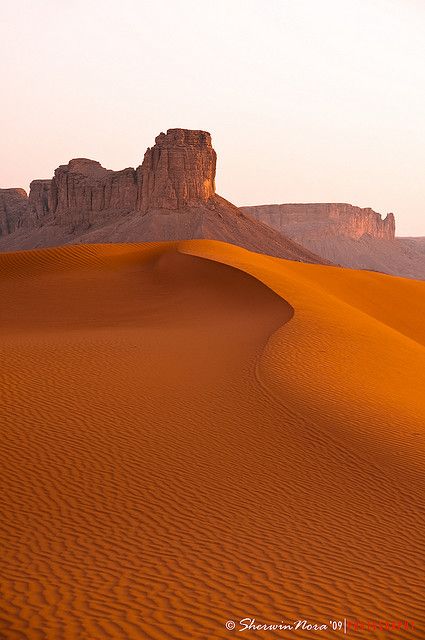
[192, 433]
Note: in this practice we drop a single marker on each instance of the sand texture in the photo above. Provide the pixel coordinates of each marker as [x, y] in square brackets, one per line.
[193, 433]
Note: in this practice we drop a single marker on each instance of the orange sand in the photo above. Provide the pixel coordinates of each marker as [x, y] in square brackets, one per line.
[192, 433]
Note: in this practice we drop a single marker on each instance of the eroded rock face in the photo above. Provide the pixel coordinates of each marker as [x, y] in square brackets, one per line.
[83, 188]
[81, 191]
[346, 235]
[178, 171]
[13, 205]
[171, 196]
[39, 199]
[333, 219]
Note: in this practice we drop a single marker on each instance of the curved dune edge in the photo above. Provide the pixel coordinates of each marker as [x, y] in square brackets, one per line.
[365, 357]
[177, 453]
[356, 288]
[349, 369]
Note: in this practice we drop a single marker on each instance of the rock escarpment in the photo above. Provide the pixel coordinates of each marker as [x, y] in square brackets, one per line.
[346, 235]
[13, 207]
[171, 196]
[179, 171]
[81, 192]
[334, 219]
[39, 200]
[83, 188]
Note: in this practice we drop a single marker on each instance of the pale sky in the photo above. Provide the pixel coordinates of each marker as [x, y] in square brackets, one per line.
[306, 100]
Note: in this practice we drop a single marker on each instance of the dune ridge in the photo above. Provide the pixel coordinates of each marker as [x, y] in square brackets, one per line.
[193, 433]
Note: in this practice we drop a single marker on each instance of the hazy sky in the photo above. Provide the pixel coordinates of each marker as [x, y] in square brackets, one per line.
[306, 100]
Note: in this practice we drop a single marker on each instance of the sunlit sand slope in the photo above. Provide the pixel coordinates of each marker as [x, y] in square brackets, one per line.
[192, 433]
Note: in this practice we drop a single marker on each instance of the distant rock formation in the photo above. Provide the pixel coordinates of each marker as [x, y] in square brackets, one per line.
[346, 235]
[171, 196]
[13, 207]
[335, 219]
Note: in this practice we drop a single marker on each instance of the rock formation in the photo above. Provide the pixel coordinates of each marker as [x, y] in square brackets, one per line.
[171, 196]
[13, 206]
[346, 235]
[335, 219]
[39, 200]
[179, 171]
[82, 192]
[83, 188]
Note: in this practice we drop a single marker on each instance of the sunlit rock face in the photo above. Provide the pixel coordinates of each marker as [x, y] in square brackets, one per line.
[346, 235]
[335, 219]
[178, 171]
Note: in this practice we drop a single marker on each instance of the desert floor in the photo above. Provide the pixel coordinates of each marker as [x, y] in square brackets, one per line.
[192, 433]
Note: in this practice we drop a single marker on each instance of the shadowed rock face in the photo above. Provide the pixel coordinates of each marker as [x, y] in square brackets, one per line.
[13, 206]
[171, 196]
[85, 186]
[82, 191]
[40, 199]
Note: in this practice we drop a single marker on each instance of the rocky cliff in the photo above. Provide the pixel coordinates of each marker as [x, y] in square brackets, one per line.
[171, 196]
[83, 188]
[334, 219]
[39, 201]
[13, 207]
[346, 235]
[179, 171]
[81, 192]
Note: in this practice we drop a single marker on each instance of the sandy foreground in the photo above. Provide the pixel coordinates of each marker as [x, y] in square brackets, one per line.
[192, 433]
